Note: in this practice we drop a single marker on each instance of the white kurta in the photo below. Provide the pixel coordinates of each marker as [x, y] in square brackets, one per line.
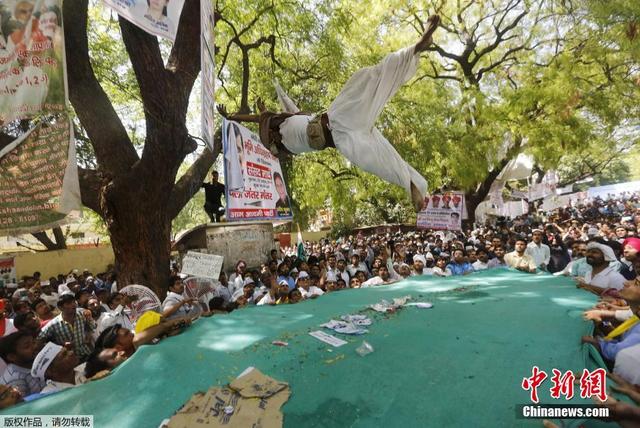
[352, 117]
[353, 114]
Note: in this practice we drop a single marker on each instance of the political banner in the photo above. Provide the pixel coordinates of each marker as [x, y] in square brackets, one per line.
[39, 179]
[255, 187]
[202, 265]
[8, 271]
[442, 212]
[32, 59]
[207, 8]
[157, 17]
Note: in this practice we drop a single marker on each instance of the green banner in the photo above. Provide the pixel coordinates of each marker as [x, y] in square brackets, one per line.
[38, 179]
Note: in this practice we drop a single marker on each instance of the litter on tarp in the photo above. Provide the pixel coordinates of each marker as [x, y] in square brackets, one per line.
[386, 306]
[327, 338]
[280, 343]
[361, 320]
[364, 349]
[236, 405]
[421, 305]
[344, 327]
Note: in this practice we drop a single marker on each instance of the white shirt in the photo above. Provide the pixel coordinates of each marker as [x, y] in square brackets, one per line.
[313, 291]
[55, 386]
[111, 318]
[439, 272]
[478, 265]
[540, 254]
[608, 278]
[224, 292]
[294, 134]
[266, 300]
[376, 280]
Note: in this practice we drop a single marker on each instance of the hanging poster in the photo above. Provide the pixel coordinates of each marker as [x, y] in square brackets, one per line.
[38, 179]
[157, 17]
[32, 59]
[8, 271]
[442, 212]
[207, 8]
[255, 187]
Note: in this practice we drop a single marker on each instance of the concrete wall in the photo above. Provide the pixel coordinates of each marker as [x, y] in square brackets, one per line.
[52, 263]
[249, 242]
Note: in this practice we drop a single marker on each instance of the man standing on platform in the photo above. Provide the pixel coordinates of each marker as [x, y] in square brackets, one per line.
[213, 193]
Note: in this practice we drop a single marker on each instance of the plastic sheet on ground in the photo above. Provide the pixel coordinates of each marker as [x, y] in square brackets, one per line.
[458, 365]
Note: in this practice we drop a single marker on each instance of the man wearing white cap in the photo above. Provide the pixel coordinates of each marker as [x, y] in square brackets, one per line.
[419, 262]
[307, 290]
[602, 275]
[272, 296]
[55, 364]
[541, 253]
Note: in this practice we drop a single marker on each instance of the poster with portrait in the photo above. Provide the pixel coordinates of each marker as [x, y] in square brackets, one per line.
[207, 8]
[8, 271]
[39, 179]
[32, 59]
[442, 212]
[255, 187]
[157, 17]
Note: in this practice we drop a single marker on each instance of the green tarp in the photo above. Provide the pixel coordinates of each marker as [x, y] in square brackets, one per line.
[458, 364]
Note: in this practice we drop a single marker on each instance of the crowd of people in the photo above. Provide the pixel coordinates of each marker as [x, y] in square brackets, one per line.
[66, 330]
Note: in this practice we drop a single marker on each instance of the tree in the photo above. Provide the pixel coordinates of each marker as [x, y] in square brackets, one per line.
[136, 193]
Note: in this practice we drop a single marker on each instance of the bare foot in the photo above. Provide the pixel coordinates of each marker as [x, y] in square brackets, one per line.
[426, 40]
[416, 198]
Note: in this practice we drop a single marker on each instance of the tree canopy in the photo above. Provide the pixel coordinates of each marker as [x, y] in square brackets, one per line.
[543, 77]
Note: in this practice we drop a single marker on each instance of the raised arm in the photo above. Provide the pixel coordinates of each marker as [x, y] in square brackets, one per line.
[254, 118]
[426, 39]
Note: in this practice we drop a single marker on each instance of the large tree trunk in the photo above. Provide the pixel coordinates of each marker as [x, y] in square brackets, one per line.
[141, 240]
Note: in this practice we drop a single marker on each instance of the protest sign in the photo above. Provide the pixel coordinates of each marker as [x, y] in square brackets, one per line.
[39, 179]
[157, 17]
[208, 71]
[202, 265]
[7, 271]
[255, 187]
[442, 212]
[32, 59]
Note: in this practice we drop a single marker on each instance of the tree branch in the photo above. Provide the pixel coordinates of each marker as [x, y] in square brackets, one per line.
[112, 146]
[184, 60]
[146, 59]
[189, 184]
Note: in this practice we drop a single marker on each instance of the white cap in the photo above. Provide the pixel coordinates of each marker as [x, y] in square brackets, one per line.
[302, 275]
[44, 359]
[283, 282]
[248, 281]
[420, 258]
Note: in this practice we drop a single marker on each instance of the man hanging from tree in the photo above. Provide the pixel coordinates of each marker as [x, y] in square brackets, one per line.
[349, 123]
